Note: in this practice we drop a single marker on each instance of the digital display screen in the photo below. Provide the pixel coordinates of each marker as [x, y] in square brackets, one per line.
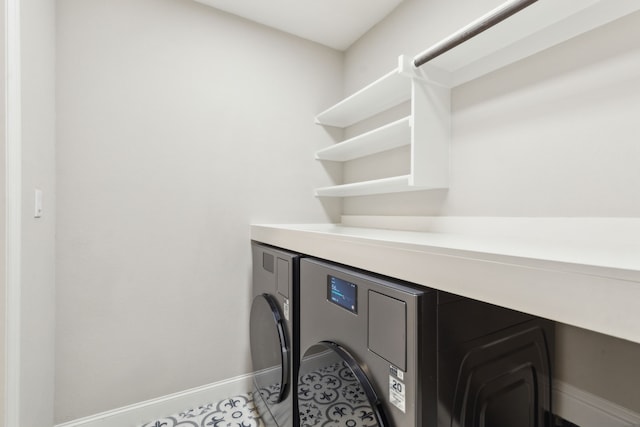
[342, 293]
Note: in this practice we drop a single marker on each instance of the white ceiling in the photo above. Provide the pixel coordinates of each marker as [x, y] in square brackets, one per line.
[333, 23]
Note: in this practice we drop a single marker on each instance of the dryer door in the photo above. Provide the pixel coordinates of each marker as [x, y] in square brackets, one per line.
[332, 388]
[269, 350]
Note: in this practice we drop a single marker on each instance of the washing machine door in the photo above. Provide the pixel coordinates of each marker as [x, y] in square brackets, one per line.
[334, 390]
[269, 349]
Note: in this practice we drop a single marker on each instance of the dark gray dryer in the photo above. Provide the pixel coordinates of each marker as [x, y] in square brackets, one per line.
[380, 352]
[273, 332]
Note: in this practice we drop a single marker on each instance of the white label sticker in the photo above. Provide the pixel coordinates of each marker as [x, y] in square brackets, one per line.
[286, 309]
[397, 395]
[397, 372]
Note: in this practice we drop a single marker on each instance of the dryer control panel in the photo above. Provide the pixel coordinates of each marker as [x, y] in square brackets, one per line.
[342, 293]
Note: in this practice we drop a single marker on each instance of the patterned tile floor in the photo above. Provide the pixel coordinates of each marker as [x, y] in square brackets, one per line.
[331, 396]
[236, 411]
[328, 396]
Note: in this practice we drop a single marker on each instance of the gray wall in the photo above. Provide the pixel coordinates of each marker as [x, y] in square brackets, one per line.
[177, 127]
[552, 135]
[38, 241]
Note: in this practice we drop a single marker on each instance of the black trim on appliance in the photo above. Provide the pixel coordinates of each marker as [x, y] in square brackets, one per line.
[265, 324]
[351, 363]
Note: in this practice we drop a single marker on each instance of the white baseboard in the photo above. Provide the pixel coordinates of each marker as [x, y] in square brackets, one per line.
[137, 414]
[588, 410]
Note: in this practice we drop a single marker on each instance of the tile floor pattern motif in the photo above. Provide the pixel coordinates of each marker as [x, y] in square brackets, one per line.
[329, 397]
[332, 397]
[236, 411]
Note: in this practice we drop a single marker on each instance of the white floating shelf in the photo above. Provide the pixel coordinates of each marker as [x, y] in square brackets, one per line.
[392, 135]
[388, 91]
[428, 137]
[539, 26]
[395, 184]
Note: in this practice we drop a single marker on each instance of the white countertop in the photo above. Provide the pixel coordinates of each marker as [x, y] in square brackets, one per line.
[586, 275]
